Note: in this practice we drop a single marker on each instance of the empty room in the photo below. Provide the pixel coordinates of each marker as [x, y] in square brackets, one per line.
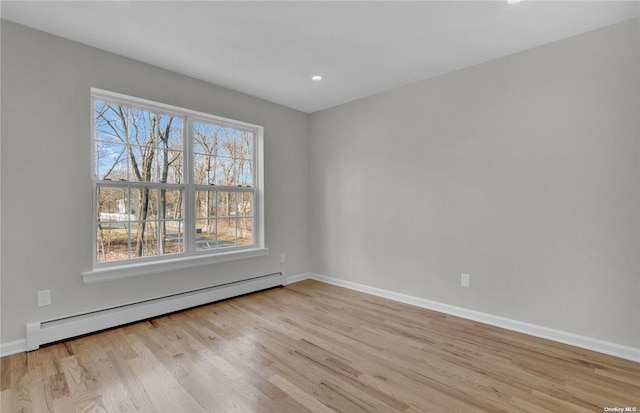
[319, 206]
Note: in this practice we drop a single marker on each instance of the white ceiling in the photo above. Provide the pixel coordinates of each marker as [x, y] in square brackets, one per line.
[271, 49]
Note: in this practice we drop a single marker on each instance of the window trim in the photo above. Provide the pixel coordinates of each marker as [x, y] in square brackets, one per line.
[103, 271]
[117, 272]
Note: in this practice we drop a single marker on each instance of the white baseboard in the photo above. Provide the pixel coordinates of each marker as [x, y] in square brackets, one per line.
[13, 347]
[290, 279]
[613, 349]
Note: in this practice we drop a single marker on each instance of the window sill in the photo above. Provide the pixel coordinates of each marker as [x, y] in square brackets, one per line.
[118, 272]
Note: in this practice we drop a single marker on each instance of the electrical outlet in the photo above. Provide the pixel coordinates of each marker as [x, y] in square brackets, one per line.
[44, 298]
[465, 280]
[282, 258]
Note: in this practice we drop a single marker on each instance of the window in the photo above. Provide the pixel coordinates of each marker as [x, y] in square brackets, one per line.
[172, 183]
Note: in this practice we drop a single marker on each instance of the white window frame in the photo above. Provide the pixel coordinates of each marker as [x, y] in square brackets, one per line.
[105, 271]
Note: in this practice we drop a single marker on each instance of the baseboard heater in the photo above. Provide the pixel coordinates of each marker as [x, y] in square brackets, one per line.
[63, 328]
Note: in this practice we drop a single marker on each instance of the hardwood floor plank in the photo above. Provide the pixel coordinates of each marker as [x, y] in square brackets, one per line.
[136, 395]
[58, 387]
[6, 399]
[304, 398]
[5, 373]
[164, 392]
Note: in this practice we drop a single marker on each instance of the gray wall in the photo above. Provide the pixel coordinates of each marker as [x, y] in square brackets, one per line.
[523, 172]
[46, 187]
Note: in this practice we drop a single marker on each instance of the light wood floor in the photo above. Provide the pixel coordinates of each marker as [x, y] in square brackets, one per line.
[314, 347]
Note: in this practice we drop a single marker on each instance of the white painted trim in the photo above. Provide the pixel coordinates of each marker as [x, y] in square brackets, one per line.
[13, 347]
[153, 267]
[606, 347]
[163, 107]
[43, 332]
[300, 277]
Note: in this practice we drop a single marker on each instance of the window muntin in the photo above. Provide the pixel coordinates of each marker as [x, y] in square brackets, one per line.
[169, 182]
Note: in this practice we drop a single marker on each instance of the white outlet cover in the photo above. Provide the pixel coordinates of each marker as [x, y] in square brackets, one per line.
[44, 298]
[465, 280]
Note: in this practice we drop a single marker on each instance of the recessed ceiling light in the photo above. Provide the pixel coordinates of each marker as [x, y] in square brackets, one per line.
[513, 1]
[316, 78]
